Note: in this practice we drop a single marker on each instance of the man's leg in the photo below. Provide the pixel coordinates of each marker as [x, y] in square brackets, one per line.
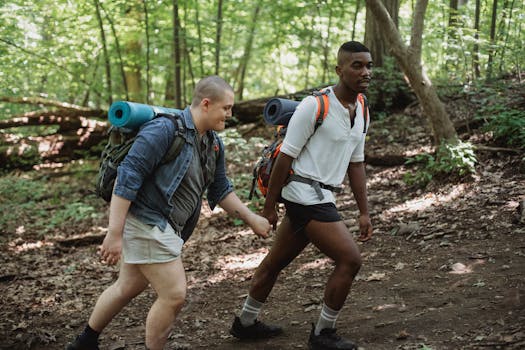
[129, 284]
[287, 245]
[169, 281]
[334, 240]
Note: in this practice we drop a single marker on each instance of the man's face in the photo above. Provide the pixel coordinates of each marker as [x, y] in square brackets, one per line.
[355, 70]
[219, 110]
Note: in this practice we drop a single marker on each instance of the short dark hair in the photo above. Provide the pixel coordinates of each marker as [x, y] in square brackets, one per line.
[212, 87]
[350, 47]
[353, 46]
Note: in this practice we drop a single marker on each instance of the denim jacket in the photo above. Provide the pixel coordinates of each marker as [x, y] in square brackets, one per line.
[143, 179]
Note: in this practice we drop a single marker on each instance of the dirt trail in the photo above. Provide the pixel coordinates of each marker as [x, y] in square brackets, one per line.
[445, 270]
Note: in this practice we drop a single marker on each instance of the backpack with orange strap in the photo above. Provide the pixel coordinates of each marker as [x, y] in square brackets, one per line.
[278, 112]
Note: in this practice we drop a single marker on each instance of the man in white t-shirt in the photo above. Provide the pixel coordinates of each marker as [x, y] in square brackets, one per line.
[319, 159]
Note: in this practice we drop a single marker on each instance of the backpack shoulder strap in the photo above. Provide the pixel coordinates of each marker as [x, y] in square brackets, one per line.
[322, 107]
[178, 141]
[364, 104]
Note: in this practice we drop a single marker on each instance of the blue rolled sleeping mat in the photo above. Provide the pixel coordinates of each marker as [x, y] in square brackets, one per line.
[278, 111]
[131, 115]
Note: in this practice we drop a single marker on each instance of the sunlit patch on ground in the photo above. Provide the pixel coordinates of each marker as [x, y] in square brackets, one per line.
[14, 246]
[241, 262]
[427, 200]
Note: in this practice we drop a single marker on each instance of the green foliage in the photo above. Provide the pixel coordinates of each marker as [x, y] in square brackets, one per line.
[241, 156]
[55, 49]
[451, 160]
[45, 205]
[507, 125]
[388, 85]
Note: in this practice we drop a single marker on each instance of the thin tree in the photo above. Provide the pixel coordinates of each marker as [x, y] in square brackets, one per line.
[199, 36]
[218, 37]
[176, 54]
[326, 43]
[243, 64]
[146, 30]
[492, 39]
[506, 34]
[357, 6]
[117, 48]
[105, 50]
[475, 54]
[409, 59]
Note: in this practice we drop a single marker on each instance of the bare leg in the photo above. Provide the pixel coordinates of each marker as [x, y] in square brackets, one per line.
[334, 240]
[169, 281]
[130, 283]
[287, 245]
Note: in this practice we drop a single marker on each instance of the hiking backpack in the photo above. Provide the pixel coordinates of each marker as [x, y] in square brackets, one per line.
[119, 143]
[263, 168]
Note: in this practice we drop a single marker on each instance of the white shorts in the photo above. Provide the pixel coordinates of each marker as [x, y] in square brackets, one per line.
[147, 244]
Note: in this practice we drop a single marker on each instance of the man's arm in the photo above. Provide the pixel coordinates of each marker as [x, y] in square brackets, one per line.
[357, 177]
[236, 208]
[280, 172]
[112, 245]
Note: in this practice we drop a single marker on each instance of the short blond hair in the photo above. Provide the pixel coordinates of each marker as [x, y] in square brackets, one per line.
[212, 87]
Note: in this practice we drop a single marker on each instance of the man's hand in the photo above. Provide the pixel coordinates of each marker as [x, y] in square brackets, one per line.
[111, 248]
[260, 225]
[365, 228]
[271, 215]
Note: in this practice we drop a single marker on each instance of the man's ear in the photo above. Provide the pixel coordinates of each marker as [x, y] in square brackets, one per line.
[205, 104]
[338, 71]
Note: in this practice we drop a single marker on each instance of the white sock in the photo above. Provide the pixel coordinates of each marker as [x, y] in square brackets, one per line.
[327, 319]
[250, 311]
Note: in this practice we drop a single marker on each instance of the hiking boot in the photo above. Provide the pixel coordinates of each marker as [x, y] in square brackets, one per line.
[328, 340]
[258, 330]
[78, 345]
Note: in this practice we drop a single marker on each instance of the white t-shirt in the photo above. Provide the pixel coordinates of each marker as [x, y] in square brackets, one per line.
[323, 155]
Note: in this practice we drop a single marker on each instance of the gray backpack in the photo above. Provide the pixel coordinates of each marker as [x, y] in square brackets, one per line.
[118, 146]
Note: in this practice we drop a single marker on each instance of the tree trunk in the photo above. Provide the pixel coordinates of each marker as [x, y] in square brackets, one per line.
[218, 37]
[492, 39]
[326, 41]
[374, 39]
[106, 55]
[409, 58]
[357, 6]
[199, 36]
[243, 64]
[475, 54]
[176, 55]
[146, 30]
[119, 51]
[506, 33]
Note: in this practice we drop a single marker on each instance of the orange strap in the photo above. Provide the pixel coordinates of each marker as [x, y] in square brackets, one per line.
[322, 106]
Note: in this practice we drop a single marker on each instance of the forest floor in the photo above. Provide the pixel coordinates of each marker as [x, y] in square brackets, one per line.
[444, 270]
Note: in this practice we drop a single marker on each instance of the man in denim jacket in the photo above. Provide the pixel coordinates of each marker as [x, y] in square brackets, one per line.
[155, 206]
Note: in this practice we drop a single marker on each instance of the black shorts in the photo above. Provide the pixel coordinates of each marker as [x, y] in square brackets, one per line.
[300, 215]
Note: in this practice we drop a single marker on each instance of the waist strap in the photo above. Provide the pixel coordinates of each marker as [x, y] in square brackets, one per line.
[315, 184]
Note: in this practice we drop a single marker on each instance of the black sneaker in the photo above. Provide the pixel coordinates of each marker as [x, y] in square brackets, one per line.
[328, 340]
[258, 330]
[78, 345]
